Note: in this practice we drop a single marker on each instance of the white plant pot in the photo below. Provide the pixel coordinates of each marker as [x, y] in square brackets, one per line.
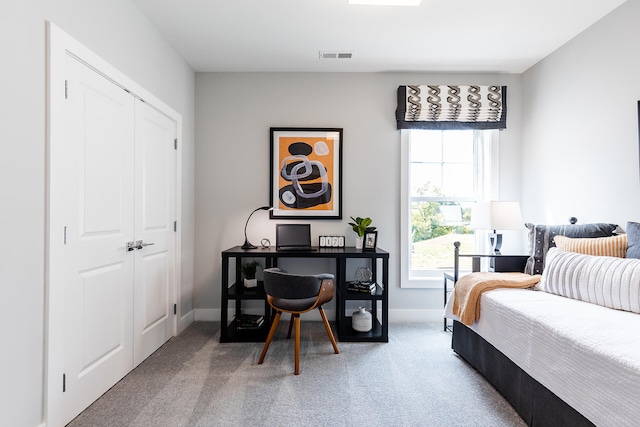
[359, 242]
[250, 283]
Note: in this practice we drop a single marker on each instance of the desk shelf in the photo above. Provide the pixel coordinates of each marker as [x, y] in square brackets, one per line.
[347, 332]
[238, 291]
[355, 295]
[233, 290]
[379, 330]
[246, 335]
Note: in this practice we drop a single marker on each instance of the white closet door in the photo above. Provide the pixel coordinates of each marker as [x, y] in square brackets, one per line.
[154, 221]
[112, 182]
[97, 197]
[115, 183]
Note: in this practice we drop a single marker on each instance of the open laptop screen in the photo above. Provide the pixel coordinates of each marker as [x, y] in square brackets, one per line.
[293, 236]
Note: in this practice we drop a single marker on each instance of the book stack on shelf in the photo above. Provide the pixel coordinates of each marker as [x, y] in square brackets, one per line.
[364, 287]
[249, 321]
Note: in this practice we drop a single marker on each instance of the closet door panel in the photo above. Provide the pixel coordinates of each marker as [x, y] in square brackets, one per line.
[95, 196]
[154, 224]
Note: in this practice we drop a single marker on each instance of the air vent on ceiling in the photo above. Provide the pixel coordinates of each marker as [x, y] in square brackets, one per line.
[336, 55]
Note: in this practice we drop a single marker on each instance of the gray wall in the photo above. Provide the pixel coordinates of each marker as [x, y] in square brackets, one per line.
[573, 114]
[115, 30]
[580, 121]
[233, 114]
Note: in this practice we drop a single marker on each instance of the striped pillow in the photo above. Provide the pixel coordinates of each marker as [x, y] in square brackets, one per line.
[600, 246]
[607, 281]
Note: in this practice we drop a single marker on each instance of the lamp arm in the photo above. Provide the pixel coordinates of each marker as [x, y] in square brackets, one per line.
[247, 223]
[246, 244]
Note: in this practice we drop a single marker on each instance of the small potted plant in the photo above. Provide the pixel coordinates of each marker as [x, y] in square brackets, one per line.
[361, 226]
[249, 272]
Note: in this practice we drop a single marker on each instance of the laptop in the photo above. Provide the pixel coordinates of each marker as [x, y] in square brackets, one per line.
[293, 237]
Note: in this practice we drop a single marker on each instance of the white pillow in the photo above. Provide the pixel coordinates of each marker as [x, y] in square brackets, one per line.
[607, 281]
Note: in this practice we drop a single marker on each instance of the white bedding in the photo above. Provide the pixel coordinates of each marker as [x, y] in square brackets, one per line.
[586, 354]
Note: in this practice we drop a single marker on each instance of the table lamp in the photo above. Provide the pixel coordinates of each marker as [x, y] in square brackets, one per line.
[246, 244]
[496, 215]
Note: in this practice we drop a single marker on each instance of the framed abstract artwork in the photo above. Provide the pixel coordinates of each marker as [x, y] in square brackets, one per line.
[306, 173]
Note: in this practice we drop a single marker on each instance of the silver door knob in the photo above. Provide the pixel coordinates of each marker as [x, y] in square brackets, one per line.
[140, 244]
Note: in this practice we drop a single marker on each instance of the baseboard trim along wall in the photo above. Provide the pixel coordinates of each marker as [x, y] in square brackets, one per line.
[185, 321]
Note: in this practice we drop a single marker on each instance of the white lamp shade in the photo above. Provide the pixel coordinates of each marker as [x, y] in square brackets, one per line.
[451, 215]
[497, 215]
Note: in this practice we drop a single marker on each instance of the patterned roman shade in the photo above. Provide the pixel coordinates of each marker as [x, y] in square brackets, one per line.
[452, 107]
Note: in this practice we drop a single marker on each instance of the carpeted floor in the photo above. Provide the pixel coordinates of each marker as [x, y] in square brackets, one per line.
[193, 380]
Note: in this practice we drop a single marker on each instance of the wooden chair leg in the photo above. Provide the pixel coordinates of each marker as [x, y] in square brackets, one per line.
[290, 326]
[297, 345]
[329, 331]
[272, 332]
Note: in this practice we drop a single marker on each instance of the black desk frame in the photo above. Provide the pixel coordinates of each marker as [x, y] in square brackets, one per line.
[235, 291]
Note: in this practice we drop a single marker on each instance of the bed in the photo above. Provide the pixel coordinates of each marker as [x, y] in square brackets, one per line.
[559, 361]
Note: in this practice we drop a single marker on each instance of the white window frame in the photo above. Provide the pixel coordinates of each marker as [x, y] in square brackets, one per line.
[487, 185]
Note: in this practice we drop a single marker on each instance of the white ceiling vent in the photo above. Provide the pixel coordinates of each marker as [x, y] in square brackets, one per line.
[336, 55]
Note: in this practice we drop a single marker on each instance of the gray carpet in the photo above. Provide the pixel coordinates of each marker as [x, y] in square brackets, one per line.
[193, 380]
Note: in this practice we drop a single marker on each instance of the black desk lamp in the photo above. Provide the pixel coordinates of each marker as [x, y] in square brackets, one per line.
[246, 244]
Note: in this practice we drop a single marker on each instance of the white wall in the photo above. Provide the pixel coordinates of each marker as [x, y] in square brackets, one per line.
[233, 114]
[115, 30]
[580, 121]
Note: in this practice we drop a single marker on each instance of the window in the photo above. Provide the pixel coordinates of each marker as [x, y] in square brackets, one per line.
[444, 173]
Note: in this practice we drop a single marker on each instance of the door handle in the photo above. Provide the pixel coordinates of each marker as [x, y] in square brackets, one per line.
[141, 244]
[138, 244]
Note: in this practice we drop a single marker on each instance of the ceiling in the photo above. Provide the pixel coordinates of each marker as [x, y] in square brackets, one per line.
[438, 36]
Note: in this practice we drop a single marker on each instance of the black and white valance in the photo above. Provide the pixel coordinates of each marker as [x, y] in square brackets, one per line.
[452, 107]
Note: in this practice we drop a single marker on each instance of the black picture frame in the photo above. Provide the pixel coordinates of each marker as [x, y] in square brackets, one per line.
[305, 173]
[370, 241]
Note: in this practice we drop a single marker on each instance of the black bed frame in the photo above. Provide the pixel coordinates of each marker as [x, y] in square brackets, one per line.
[532, 401]
[536, 404]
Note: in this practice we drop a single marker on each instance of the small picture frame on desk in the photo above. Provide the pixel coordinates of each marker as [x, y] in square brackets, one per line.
[370, 240]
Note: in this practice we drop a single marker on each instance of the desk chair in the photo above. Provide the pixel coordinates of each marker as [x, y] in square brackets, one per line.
[296, 294]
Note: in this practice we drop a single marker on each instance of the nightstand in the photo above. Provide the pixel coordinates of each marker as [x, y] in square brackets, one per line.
[501, 264]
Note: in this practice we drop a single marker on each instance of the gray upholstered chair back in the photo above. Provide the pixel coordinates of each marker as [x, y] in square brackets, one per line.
[297, 294]
[281, 284]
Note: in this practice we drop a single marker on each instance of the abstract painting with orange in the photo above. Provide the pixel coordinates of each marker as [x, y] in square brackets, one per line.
[306, 173]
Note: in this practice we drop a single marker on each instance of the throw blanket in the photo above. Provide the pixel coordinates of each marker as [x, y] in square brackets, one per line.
[467, 291]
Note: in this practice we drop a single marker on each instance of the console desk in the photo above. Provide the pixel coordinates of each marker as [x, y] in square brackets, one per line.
[233, 290]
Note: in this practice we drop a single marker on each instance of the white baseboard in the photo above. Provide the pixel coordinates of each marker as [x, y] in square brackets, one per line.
[396, 315]
[399, 315]
[185, 321]
[207, 314]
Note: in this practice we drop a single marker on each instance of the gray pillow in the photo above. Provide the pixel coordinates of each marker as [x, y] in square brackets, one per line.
[633, 239]
[541, 239]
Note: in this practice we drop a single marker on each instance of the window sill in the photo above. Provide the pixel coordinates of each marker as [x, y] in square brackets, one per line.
[431, 282]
